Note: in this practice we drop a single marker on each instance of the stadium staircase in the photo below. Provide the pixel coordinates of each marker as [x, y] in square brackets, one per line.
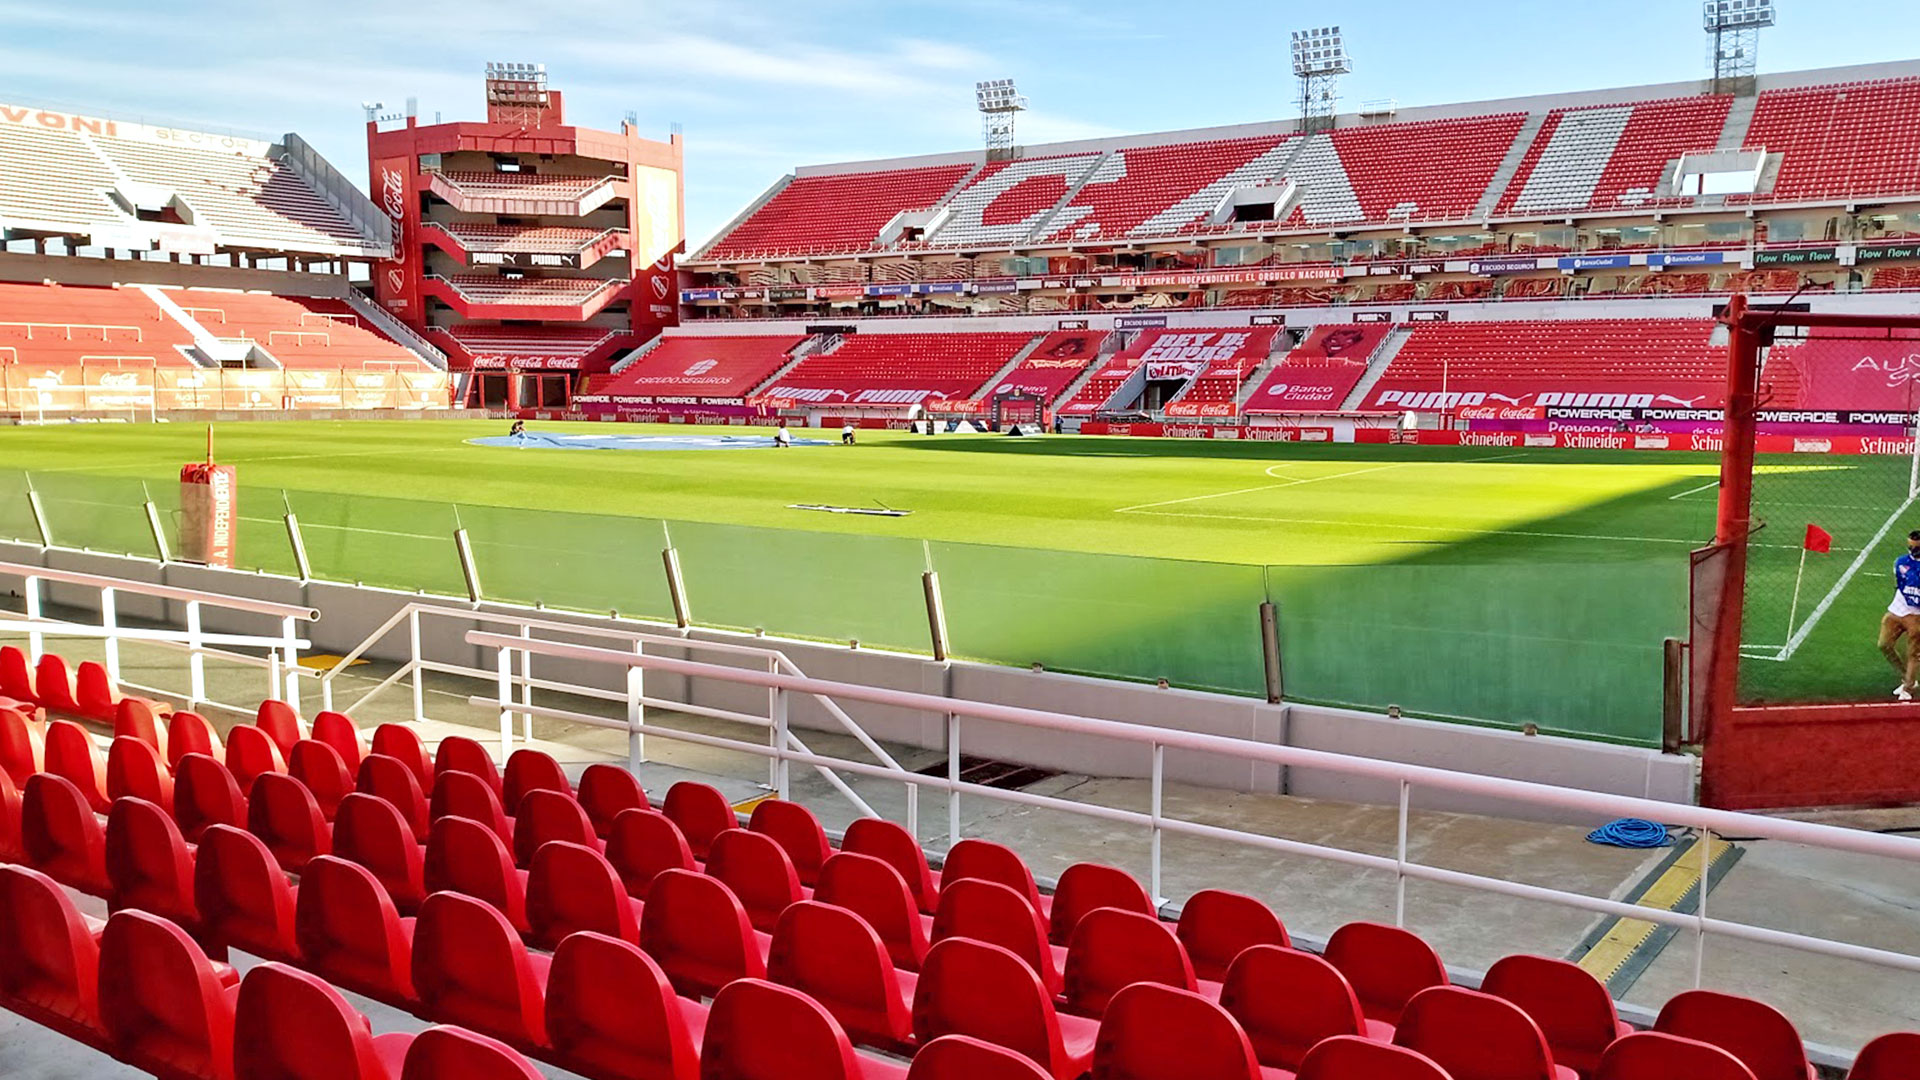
[1108, 347]
[208, 350]
[1739, 121]
[986, 389]
[631, 358]
[1509, 166]
[816, 345]
[1377, 365]
[395, 329]
[1283, 344]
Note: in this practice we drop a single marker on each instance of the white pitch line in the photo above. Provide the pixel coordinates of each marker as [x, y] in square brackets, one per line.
[1820, 609]
[1295, 483]
[1465, 532]
[1694, 491]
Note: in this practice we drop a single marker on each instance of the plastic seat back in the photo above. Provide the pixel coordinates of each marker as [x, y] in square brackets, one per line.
[135, 716]
[164, 1009]
[252, 753]
[457, 753]
[875, 891]
[1113, 949]
[206, 794]
[833, 957]
[290, 1025]
[242, 894]
[987, 911]
[60, 835]
[49, 957]
[389, 778]
[16, 676]
[758, 872]
[1646, 1054]
[350, 933]
[1573, 1008]
[322, 771]
[148, 866]
[22, 746]
[462, 794]
[135, 768]
[605, 791]
[448, 1053]
[1474, 1036]
[572, 888]
[698, 932]
[1889, 1057]
[337, 730]
[1086, 887]
[798, 833]
[810, 1046]
[1287, 1002]
[1215, 925]
[611, 1012]
[70, 753]
[644, 843]
[191, 733]
[402, 743]
[962, 1057]
[94, 692]
[1152, 1031]
[895, 846]
[531, 770]
[984, 860]
[973, 988]
[547, 815]
[370, 832]
[701, 812]
[54, 682]
[10, 850]
[281, 724]
[1753, 1031]
[1385, 965]
[283, 813]
[1350, 1057]
[470, 968]
[465, 856]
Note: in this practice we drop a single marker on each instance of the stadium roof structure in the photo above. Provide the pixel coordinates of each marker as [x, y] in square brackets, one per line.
[108, 183]
[1834, 136]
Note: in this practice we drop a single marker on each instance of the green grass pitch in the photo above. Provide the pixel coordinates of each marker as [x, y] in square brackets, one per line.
[1494, 585]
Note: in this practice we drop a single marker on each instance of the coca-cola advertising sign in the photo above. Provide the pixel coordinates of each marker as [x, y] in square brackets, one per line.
[396, 281]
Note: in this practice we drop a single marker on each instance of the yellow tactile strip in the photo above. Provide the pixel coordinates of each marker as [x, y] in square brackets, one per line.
[1625, 937]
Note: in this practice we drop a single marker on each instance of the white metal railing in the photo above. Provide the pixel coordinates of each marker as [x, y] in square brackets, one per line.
[1157, 741]
[280, 654]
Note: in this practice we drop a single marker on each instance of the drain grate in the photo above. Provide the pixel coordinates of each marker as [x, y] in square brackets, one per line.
[1006, 775]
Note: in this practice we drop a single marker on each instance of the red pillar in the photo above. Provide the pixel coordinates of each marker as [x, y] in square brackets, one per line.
[1735, 518]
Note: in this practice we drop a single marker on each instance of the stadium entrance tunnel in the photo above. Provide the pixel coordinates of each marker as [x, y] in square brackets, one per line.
[542, 441]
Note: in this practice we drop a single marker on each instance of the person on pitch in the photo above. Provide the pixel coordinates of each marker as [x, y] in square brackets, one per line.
[1903, 618]
[782, 438]
[846, 434]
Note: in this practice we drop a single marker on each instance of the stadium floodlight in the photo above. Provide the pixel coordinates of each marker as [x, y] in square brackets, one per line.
[998, 101]
[1736, 14]
[517, 94]
[1733, 30]
[1319, 59]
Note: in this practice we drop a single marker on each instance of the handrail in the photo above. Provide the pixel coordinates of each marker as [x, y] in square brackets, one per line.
[164, 592]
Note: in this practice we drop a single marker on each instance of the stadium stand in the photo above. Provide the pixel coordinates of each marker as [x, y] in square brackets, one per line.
[1160, 190]
[899, 369]
[1609, 156]
[1667, 361]
[707, 367]
[1321, 371]
[59, 326]
[298, 331]
[1052, 365]
[1844, 140]
[844, 212]
[1430, 171]
[535, 345]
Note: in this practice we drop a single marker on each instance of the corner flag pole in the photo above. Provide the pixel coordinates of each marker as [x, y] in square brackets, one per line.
[1793, 611]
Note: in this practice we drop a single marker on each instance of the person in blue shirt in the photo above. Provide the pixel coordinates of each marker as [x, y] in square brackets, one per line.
[1903, 618]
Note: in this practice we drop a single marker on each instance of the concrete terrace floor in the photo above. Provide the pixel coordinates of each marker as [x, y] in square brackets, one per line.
[1836, 1004]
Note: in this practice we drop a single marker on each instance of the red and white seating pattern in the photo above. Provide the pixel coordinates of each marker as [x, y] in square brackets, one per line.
[300, 332]
[899, 369]
[1608, 156]
[1646, 362]
[708, 367]
[1321, 371]
[1849, 139]
[1157, 190]
[1053, 364]
[250, 200]
[63, 326]
[1009, 199]
[821, 214]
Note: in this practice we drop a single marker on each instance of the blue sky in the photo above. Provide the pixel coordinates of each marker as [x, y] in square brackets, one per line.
[762, 87]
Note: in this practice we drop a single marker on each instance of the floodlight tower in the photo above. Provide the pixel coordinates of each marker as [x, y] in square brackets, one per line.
[1734, 27]
[517, 94]
[1319, 59]
[999, 103]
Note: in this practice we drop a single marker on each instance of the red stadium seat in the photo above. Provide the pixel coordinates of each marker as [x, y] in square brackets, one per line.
[612, 1015]
[205, 794]
[16, 676]
[70, 753]
[1084, 887]
[449, 1053]
[290, 1025]
[100, 700]
[140, 718]
[810, 1046]
[470, 968]
[338, 731]
[49, 956]
[1386, 966]
[1476, 1036]
[973, 988]
[465, 856]
[572, 888]
[54, 683]
[547, 815]
[60, 835]
[191, 733]
[370, 832]
[135, 768]
[1349, 1057]
[350, 934]
[281, 724]
[1649, 1055]
[164, 1009]
[962, 1057]
[798, 833]
[987, 911]
[1153, 1031]
[322, 771]
[698, 932]
[1288, 1002]
[642, 844]
[242, 895]
[462, 794]
[531, 770]
[893, 845]
[701, 812]
[1752, 1031]
[607, 790]
[874, 891]
[829, 954]
[1113, 949]
[984, 860]
[252, 753]
[1573, 1008]
[1216, 925]
[22, 746]
[457, 753]
[10, 850]
[284, 815]
[1889, 1057]
[758, 872]
[148, 864]
[402, 743]
[391, 779]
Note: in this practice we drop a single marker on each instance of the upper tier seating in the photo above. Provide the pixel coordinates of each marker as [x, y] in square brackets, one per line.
[1008, 199]
[716, 367]
[530, 345]
[815, 214]
[1059, 359]
[1433, 170]
[1607, 156]
[899, 369]
[1669, 361]
[63, 325]
[54, 178]
[1157, 190]
[535, 186]
[557, 292]
[300, 331]
[1849, 139]
[539, 239]
[250, 200]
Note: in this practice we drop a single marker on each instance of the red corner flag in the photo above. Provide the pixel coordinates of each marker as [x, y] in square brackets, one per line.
[1818, 539]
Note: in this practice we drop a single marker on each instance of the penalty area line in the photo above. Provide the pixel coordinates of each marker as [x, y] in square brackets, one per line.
[1694, 491]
